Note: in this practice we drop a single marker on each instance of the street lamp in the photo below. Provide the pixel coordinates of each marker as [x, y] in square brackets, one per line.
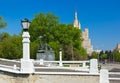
[25, 24]
[26, 39]
[26, 63]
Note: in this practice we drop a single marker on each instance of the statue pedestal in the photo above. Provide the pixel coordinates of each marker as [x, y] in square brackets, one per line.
[45, 55]
[27, 66]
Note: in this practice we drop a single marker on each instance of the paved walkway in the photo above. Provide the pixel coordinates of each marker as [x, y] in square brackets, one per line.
[110, 66]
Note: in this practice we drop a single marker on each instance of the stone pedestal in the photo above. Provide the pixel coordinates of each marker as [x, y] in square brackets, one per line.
[104, 76]
[45, 52]
[27, 66]
[45, 55]
[93, 66]
[26, 63]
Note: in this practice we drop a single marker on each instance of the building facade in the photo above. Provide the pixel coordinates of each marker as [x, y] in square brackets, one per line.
[85, 35]
[118, 47]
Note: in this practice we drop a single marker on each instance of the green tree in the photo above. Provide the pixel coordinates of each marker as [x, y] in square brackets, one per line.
[116, 55]
[2, 22]
[4, 36]
[95, 55]
[11, 48]
[70, 40]
[33, 49]
[100, 55]
[104, 56]
[57, 35]
[42, 24]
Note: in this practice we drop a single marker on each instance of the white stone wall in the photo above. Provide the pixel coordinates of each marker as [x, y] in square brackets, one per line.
[11, 78]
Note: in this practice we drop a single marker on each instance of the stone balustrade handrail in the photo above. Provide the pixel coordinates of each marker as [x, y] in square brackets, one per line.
[117, 73]
[62, 61]
[9, 60]
[9, 67]
[37, 61]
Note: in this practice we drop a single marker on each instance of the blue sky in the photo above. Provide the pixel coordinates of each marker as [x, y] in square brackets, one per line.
[101, 17]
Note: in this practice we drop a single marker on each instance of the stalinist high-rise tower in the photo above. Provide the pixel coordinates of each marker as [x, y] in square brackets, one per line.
[76, 22]
[85, 35]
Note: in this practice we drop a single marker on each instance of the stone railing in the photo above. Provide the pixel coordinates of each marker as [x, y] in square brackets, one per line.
[105, 76]
[88, 66]
[80, 66]
[63, 68]
[10, 65]
[114, 78]
[64, 63]
[8, 60]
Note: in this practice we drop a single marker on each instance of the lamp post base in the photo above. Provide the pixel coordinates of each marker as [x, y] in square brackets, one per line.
[27, 66]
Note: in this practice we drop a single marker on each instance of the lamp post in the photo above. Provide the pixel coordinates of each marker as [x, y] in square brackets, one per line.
[26, 63]
[26, 49]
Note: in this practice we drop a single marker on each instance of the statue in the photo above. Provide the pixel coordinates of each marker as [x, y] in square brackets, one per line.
[45, 52]
[40, 43]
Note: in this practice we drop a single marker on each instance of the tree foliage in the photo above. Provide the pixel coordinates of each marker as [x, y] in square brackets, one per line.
[104, 56]
[57, 35]
[4, 36]
[95, 55]
[2, 22]
[116, 55]
[41, 24]
[11, 47]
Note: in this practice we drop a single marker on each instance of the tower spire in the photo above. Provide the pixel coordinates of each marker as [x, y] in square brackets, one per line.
[76, 22]
[75, 14]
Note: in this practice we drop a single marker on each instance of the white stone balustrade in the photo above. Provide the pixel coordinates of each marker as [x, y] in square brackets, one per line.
[41, 62]
[93, 66]
[84, 65]
[104, 76]
[15, 67]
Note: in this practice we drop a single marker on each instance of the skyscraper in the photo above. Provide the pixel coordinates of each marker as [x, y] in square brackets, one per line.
[76, 22]
[85, 35]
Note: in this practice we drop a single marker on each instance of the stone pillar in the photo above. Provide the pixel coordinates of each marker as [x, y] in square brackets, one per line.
[84, 65]
[15, 67]
[60, 62]
[104, 75]
[26, 63]
[93, 66]
[26, 46]
[41, 61]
